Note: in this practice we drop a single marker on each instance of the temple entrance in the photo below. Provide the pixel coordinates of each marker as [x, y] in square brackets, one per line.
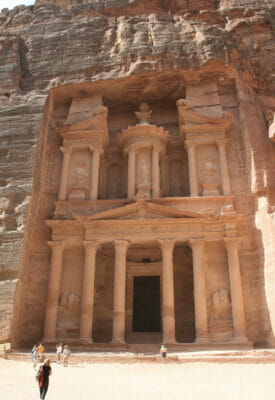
[146, 304]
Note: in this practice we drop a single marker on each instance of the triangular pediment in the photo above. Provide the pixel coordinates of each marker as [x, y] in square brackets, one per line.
[144, 209]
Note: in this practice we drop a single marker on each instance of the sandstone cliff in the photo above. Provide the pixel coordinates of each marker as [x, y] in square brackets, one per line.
[57, 43]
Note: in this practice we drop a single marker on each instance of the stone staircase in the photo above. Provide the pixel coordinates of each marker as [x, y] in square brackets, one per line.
[148, 355]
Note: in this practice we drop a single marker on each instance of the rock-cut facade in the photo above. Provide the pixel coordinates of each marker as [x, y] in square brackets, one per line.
[137, 174]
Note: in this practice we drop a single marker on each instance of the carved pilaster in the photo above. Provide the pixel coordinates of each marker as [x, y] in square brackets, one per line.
[87, 302]
[121, 247]
[64, 172]
[95, 173]
[168, 302]
[131, 174]
[155, 173]
[239, 326]
[192, 168]
[53, 290]
[224, 167]
[201, 322]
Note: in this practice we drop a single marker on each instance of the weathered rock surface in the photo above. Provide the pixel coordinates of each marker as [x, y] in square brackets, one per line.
[160, 46]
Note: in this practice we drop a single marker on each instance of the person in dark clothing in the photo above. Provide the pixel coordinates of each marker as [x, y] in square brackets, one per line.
[46, 371]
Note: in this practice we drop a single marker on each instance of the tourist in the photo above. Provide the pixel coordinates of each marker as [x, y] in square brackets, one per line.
[66, 354]
[59, 349]
[43, 374]
[34, 355]
[163, 352]
[40, 350]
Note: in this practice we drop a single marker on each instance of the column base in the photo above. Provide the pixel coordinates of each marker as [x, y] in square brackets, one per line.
[169, 341]
[271, 343]
[86, 340]
[240, 339]
[118, 341]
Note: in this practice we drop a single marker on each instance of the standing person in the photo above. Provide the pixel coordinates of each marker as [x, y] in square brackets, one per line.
[40, 349]
[66, 354]
[59, 349]
[45, 371]
[163, 352]
[34, 355]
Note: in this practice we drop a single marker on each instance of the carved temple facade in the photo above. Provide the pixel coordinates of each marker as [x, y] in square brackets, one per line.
[145, 237]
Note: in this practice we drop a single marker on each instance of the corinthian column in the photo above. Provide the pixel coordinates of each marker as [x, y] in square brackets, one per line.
[53, 291]
[131, 174]
[94, 174]
[168, 306]
[238, 315]
[64, 172]
[87, 303]
[226, 186]
[121, 247]
[155, 174]
[201, 322]
[192, 168]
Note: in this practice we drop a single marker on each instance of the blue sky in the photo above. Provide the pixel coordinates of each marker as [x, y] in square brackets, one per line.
[12, 3]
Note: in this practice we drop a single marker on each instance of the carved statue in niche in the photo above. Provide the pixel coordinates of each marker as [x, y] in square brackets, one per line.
[209, 171]
[220, 305]
[209, 176]
[143, 175]
[144, 114]
[70, 302]
[79, 180]
[79, 175]
[270, 116]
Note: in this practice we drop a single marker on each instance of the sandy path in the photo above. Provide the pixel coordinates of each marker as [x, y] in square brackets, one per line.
[192, 381]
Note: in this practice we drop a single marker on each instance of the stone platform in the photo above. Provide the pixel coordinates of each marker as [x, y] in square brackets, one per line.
[229, 356]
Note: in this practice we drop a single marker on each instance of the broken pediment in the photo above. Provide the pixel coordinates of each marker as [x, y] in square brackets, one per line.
[192, 123]
[95, 126]
[141, 209]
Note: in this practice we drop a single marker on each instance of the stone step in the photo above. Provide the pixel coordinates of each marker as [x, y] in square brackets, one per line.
[254, 356]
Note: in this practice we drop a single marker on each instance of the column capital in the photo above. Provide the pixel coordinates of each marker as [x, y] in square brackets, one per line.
[66, 149]
[121, 245]
[157, 148]
[91, 244]
[190, 144]
[56, 244]
[232, 242]
[167, 243]
[196, 242]
[130, 149]
[221, 142]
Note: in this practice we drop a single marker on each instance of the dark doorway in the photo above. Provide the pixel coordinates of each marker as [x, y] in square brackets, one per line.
[146, 307]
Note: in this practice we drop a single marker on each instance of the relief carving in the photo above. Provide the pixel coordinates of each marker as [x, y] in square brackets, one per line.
[79, 181]
[270, 116]
[210, 187]
[69, 302]
[220, 305]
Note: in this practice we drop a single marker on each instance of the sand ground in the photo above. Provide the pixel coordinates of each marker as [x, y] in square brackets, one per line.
[189, 381]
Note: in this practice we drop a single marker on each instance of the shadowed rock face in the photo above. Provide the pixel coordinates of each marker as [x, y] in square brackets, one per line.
[61, 47]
